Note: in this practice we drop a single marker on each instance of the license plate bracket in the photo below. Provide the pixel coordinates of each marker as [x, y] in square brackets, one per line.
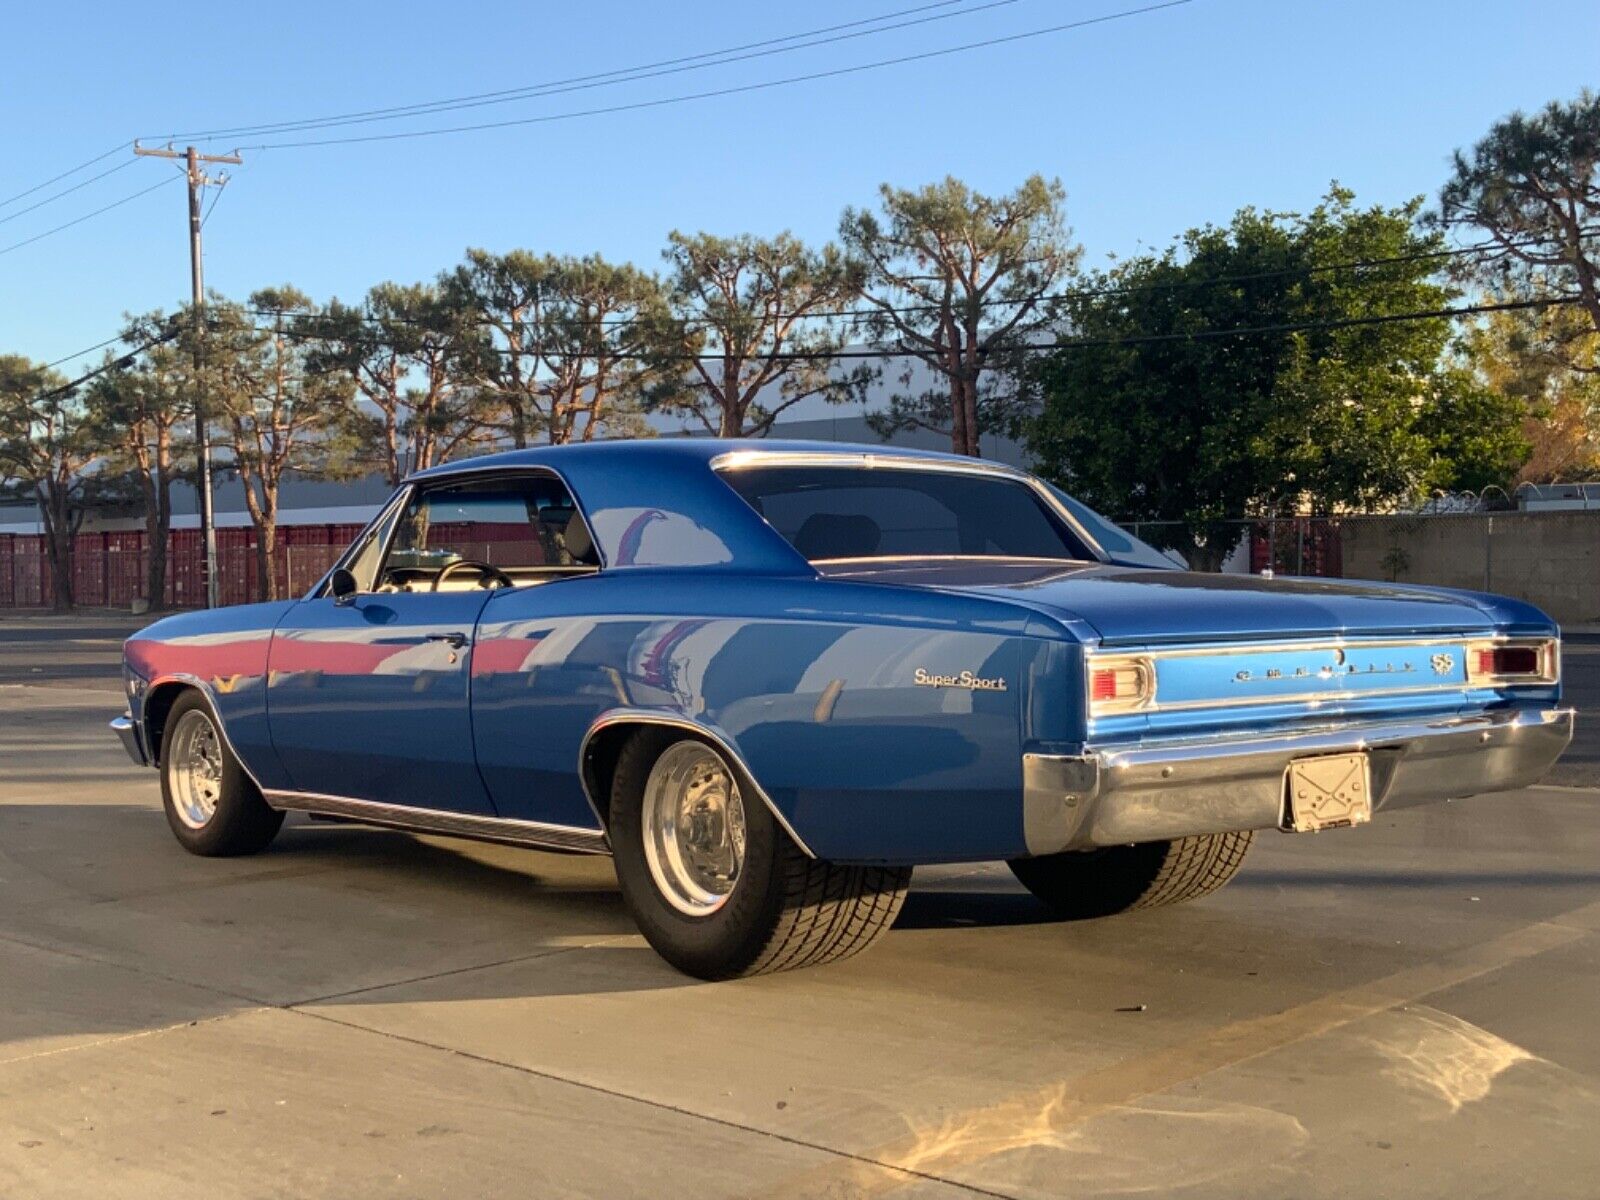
[1330, 791]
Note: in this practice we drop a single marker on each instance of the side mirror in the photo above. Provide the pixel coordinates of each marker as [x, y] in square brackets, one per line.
[342, 586]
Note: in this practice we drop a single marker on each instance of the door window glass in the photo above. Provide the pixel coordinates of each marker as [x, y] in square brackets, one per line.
[526, 526]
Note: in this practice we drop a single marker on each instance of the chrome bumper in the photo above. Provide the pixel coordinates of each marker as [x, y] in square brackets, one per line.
[132, 742]
[1162, 790]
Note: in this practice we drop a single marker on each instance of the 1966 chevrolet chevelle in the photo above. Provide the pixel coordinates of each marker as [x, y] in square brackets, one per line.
[770, 678]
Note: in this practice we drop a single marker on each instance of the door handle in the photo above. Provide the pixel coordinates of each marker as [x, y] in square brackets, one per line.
[454, 640]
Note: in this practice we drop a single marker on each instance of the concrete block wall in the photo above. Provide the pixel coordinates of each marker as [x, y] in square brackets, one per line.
[1551, 559]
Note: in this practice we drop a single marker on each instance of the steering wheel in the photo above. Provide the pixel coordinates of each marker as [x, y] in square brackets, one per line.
[489, 573]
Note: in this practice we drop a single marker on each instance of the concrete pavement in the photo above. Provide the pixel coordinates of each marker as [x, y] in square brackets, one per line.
[1403, 1009]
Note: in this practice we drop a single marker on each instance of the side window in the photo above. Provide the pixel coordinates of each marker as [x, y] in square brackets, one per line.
[363, 560]
[524, 526]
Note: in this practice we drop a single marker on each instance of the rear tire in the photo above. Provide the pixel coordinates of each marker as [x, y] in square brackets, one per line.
[212, 806]
[732, 895]
[1114, 879]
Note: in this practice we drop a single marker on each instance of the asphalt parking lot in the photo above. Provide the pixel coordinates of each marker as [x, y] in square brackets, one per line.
[1407, 1009]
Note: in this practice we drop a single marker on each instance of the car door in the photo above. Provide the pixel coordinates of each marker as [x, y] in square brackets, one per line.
[369, 695]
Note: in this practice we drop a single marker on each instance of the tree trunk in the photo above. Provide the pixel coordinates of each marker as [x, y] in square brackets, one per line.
[974, 434]
[266, 543]
[58, 548]
[958, 417]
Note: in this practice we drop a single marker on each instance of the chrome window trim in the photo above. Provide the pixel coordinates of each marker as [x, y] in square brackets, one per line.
[648, 716]
[537, 834]
[457, 478]
[735, 460]
[389, 506]
[1233, 649]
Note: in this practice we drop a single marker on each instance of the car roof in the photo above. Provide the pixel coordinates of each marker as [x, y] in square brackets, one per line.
[623, 453]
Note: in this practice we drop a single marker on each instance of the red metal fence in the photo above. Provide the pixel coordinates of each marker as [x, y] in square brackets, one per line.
[109, 569]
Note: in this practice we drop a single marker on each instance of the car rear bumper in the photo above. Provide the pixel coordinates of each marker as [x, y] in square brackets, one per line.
[1158, 790]
[128, 730]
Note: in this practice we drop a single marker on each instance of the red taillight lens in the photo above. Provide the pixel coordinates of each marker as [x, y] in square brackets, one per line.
[1512, 662]
[1121, 684]
[1508, 660]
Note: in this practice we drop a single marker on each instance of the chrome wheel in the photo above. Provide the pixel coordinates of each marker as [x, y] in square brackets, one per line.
[194, 768]
[694, 833]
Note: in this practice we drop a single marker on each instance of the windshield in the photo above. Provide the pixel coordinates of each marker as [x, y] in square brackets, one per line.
[830, 513]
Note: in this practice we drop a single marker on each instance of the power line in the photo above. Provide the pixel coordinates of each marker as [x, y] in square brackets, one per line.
[673, 66]
[1071, 293]
[82, 183]
[1456, 313]
[122, 360]
[38, 187]
[86, 216]
[110, 341]
[741, 89]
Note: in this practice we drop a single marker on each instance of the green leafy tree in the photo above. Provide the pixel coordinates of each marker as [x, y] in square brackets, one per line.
[279, 409]
[593, 341]
[1532, 187]
[556, 344]
[400, 347]
[503, 296]
[958, 281]
[1245, 370]
[47, 444]
[141, 410]
[1546, 361]
[745, 338]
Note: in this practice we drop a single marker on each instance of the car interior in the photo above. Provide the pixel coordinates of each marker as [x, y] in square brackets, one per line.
[509, 532]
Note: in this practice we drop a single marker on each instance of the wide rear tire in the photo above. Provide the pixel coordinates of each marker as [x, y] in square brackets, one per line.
[1099, 883]
[735, 896]
[212, 806]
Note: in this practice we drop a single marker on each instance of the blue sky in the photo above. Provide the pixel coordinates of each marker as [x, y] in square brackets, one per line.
[1154, 123]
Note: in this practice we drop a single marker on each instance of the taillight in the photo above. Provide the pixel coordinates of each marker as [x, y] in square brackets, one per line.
[1513, 662]
[1122, 683]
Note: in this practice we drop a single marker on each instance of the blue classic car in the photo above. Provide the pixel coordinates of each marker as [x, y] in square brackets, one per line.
[770, 678]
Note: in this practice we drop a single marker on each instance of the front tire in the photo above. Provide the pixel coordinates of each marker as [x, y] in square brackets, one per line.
[212, 806]
[1114, 879]
[718, 888]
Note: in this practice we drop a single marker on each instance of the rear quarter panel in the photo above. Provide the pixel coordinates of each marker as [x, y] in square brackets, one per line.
[813, 682]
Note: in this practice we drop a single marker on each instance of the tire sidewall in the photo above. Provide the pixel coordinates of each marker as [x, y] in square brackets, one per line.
[719, 944]
[238, 795]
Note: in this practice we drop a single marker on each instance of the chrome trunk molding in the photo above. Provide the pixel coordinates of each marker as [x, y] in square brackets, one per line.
[535, 834]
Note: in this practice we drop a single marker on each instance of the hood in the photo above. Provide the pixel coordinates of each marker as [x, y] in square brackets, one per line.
[1142, 607]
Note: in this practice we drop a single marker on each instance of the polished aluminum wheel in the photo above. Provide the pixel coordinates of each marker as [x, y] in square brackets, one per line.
[694, 834]
[194, 768]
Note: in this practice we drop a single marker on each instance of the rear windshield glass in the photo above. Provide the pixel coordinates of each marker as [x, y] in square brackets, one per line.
[858, 512]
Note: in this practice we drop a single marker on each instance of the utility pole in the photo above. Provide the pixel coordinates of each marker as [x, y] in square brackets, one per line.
[198, 181]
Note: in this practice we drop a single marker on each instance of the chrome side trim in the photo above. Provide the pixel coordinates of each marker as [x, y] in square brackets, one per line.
[648, 716]
[1183, 787]
[125, 729]
[427, 820]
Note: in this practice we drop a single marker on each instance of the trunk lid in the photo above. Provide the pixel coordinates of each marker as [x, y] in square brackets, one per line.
[1134, 607]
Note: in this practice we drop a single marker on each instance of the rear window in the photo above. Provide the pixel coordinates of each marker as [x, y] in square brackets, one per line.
[830, 513]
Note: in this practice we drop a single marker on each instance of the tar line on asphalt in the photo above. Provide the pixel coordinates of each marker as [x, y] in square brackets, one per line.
[965, 1138]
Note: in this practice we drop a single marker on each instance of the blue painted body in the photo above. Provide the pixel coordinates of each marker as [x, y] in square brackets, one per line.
[702, 612]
